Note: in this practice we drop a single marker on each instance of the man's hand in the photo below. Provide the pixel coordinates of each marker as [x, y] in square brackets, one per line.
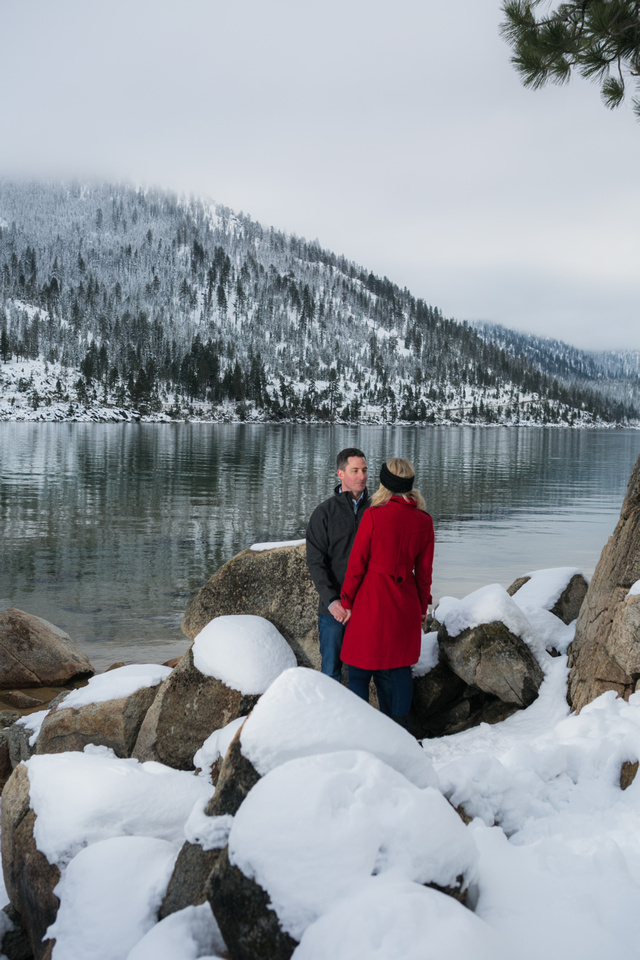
[338, 612]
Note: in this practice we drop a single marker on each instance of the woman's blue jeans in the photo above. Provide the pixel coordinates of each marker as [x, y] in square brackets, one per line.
[394, 688]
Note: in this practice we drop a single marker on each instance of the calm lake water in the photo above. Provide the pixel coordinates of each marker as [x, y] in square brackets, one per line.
[109, 530]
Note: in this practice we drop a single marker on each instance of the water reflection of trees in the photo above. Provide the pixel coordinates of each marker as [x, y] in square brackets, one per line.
[134, 518]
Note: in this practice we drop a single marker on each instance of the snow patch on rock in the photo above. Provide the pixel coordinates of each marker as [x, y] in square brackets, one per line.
[246, 653]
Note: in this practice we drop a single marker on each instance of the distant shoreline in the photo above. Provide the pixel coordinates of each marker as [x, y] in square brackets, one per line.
[121, 416]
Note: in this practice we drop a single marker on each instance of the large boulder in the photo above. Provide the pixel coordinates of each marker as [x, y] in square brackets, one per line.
[493, 659]
[29, 877]
[35, 653]
[113, 723]
[302, 713]
[303, 821]
[623, 642]
[231, 662]
[188, 707]
[274, 584]
[605, 654]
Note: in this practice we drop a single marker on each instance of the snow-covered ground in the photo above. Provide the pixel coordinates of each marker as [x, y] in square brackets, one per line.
[40, 392]
[349, 821]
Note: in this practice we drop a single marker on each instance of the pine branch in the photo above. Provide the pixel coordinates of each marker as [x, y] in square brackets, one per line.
[596, 37]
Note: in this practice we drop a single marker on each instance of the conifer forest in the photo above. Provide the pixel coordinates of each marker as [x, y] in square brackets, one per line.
[122, 303]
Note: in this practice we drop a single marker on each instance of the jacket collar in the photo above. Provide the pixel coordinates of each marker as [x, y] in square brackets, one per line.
[344, 494]
[398, 498]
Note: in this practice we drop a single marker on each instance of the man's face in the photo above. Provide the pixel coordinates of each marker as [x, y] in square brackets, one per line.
[354, 476]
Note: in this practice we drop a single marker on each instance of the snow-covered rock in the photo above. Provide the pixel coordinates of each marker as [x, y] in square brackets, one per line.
[246, 653]
[560, 590]
[107, 712]
[489, 642]
[313, 828]
[271, 582]
[195, 701]
[189, 934]
[390, 918]
[305, 713]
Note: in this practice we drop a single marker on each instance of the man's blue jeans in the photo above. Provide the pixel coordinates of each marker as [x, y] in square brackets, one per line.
[331, 634]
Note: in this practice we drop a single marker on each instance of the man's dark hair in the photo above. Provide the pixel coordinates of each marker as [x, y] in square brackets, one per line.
[343, 457]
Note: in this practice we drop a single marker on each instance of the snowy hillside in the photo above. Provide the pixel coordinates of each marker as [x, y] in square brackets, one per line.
[142, 304]
[614, 372]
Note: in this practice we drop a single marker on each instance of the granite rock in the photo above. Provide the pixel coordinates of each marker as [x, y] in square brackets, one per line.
[605, 654]
[274, 584]
[35, 653]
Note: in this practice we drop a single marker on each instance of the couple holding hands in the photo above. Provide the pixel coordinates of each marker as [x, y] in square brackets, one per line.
[371, 561]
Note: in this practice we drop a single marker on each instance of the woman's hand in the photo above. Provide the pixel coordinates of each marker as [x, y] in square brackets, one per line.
[339, 613]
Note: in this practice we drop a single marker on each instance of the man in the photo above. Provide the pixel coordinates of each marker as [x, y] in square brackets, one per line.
[330, 535]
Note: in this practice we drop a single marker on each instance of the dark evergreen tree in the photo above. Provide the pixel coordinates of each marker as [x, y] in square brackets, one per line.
[598, 38]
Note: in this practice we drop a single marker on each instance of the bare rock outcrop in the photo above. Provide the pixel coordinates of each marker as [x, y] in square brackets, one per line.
[605, 654]
[491, 658]
[18, 736]
[29, 877]
[274, 584]
[35, 653]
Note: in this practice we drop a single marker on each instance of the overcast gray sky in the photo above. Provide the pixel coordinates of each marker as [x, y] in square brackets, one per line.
[398, 134]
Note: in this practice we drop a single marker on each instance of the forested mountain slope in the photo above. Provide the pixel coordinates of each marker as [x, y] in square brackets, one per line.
[117, 302]
[616, 372]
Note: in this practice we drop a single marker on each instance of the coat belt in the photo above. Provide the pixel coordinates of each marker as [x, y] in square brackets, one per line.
[399, 572]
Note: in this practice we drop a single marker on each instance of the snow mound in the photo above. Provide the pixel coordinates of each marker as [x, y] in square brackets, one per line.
[81, 798]
[246, 653]
[387, 918]
[312, 828]
[109, 897]
[304, 713]
[189, 934]
[545, 587]
[114, 684]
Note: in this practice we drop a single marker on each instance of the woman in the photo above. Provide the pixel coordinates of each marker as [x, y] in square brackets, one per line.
[387, 589]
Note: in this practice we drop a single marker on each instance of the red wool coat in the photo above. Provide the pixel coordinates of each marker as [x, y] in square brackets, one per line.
[388, 586]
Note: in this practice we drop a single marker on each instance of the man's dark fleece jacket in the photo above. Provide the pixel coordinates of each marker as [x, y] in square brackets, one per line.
[330, 535]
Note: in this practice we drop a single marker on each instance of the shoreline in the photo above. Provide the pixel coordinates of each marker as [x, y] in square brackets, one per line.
[119, 416]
